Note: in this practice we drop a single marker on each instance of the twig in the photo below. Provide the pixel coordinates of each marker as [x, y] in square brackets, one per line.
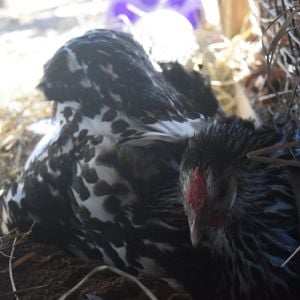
[27, 233]
[21, 261]
[5, 255]
[8, 246]
[24, 291]
[18, 155]
[115, 270]
[16, 234]
[10, 268]
[288, 111]
[257, 155]
[275, 42]
[270, 96]
[290, 257]
[13, 231]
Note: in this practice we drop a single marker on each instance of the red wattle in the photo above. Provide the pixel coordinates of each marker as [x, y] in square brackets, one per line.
[217, 220]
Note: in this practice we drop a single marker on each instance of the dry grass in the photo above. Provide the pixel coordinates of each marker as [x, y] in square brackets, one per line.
[229, 61]
[16, 140]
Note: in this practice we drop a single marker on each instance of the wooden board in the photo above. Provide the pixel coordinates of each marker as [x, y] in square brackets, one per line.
[233, 15]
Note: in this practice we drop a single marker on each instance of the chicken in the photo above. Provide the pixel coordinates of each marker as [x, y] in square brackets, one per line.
[242, 211]
[104, 182]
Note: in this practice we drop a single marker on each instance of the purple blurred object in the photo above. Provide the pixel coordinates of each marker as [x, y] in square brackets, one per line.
[120, 9]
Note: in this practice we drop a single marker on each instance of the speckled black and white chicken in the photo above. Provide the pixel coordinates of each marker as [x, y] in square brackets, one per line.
[96, 184]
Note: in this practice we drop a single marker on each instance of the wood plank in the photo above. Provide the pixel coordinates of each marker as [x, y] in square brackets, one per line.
[232, 15]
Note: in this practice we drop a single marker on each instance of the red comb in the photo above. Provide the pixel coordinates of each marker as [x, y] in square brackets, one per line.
[197, 193]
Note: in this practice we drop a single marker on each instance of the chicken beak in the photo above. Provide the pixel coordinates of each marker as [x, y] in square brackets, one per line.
[197, 223]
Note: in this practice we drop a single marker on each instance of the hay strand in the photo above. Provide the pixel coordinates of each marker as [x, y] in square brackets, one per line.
[149, 294]
[10, 269]
[290, 257]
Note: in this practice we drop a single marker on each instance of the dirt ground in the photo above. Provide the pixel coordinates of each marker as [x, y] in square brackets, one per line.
[46, 272]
